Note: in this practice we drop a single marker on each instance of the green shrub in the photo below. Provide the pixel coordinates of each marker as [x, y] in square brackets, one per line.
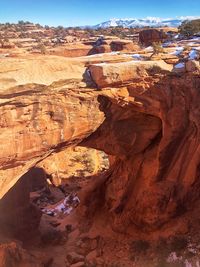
[157, 48]
[42, 49]
[189, 28]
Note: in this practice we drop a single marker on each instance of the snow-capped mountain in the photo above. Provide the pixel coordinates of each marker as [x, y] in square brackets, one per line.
[149, 21]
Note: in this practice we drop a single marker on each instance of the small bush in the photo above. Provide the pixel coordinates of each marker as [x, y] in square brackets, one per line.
[187, 48]
[157, 48]
[42, 49]
[189, 28]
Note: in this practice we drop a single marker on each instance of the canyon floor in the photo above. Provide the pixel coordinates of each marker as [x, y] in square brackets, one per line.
[100, 154]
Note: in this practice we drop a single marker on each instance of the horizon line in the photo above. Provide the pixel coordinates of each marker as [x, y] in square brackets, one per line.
[114, 18]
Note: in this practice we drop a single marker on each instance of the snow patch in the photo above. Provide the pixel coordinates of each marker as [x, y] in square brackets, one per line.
[193, 54]
[142, 22]
[149, 49]
[166, 44]
[173, 257]
[4, 55]
[176, 36]
[179, 65]
[195, 39]
[137, 56]
[178, 51]
[65, 207]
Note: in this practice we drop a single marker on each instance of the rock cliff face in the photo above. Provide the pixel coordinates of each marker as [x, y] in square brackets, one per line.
[150, 127]
[147, 37]
[19, 218]
[106, 46]
[36, 121]
[40, 70]
[116, 74]
[74, 161]
[13, 255]
[152, 133]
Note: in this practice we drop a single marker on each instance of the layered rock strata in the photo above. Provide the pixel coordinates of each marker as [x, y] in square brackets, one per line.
[149, 125]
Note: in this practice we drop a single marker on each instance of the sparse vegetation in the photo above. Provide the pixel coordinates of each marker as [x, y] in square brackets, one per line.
[189, 28]
[187, 48]
[1, 42]
[42, 49]
[157, 48]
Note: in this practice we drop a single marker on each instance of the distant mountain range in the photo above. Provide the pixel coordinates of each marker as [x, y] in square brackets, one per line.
[149, 21]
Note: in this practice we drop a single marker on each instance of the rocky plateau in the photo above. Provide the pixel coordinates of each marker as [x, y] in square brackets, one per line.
[100, 158]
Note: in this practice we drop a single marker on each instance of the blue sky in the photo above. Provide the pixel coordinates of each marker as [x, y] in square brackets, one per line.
[90, 12]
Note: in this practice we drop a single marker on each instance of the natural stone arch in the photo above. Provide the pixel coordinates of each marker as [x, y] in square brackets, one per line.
[152, 178]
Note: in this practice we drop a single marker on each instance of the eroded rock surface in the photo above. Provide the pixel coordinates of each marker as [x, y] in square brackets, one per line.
[36, 121]
[105, 75]
[153, 134]
[147, 37]
[149, 126]
[74, 162]
[19, 218]
[13, 255]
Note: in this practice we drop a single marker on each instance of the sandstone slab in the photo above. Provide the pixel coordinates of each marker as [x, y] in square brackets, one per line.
[105, 75]
[37, 121]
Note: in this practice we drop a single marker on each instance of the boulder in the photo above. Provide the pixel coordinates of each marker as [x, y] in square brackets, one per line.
[78, 264]
[20, 218]
[28, 130]
[105, 75]
[56, 194]
[192, 65]
[13, 255]
[100, 49]
[37, 179]
[73, 257]
[147, 37]
[123, 45]
[8, 45]
[172, 61]
[48, 233]
[179, 68]
[86, 245]
[168, 58]
[91, 256]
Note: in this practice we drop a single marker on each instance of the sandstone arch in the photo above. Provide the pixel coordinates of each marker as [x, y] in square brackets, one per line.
[155, 174]
[151, 129]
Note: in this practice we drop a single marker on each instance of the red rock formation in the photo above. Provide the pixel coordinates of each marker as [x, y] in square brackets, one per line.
[116, 74]
[151, 130]
[125, 45]
[12, 255]
[153, 134]
[147, 37]
[100, 49]
[37, 121]
[71, 52]
[105, 46]
[7, 45]
[19, 218]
